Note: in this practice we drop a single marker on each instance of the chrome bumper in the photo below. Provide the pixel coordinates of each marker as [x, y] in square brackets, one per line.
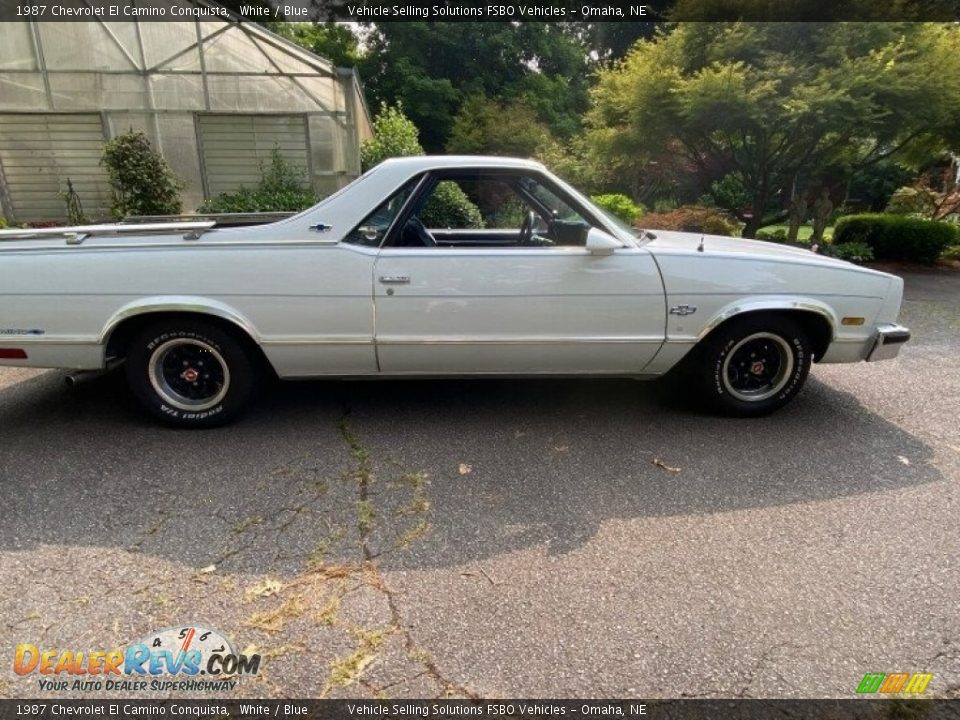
[890, 338]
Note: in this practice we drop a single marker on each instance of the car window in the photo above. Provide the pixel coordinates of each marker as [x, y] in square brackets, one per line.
[491, 209]
[373, 227]
[557, 205]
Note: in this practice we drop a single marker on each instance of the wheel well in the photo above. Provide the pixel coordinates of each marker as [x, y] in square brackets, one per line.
[815, 325]
[121, 334]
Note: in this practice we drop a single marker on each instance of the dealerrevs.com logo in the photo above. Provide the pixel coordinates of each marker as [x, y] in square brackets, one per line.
[187, 658]
[894, 683]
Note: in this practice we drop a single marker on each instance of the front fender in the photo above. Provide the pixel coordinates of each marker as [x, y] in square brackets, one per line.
[182, 304]
[772, 302]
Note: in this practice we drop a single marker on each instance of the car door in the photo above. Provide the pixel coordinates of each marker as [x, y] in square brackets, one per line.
[481, 301]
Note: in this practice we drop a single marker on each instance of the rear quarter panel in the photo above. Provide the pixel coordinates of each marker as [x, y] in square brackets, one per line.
[296, 300]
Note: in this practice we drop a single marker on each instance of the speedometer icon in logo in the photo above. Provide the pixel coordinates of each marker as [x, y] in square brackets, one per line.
[188, 650]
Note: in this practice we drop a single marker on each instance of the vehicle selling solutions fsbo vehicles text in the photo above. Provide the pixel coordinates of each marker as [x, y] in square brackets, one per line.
[489, 11]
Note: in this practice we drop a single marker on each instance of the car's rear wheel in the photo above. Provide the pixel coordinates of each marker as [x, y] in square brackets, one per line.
[754, 365]
[190, 373]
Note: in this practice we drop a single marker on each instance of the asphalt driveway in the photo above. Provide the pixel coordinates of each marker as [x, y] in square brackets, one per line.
[505, 538]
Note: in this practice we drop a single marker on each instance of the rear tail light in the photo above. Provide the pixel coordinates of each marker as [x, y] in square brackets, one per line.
[13, 354]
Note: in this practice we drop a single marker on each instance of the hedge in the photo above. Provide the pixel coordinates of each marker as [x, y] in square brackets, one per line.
[897, 237]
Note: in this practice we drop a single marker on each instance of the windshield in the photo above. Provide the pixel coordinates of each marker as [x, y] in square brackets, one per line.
[620, 223]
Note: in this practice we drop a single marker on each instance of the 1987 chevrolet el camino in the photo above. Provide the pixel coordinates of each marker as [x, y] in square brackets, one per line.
[520, 275]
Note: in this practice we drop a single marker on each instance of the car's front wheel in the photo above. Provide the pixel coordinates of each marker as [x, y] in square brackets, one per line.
[754, 365]
[190, 373]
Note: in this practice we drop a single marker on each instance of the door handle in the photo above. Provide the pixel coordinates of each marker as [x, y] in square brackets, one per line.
[395, 279]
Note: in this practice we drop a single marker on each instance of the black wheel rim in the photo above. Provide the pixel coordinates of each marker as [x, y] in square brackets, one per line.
[758, 367]
[189, 374]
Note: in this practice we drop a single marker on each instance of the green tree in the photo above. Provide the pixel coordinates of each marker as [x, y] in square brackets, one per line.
[336, 43]
[432, 68]
[610, 41]
[758, 105]
[488, 127]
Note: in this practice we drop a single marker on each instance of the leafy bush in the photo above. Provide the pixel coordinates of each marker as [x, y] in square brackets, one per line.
[619, 205]
[693, 218]
[852, 251]
[449, 207]
[897, 237]
[778, 236]
[394, 135]
[280, 190]
[141, 182]
[913, 200]
[728, 192]
[3, 222]
[249, 200]
[951, 253]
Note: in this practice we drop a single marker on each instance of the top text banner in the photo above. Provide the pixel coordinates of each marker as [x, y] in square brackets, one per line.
[380, 11]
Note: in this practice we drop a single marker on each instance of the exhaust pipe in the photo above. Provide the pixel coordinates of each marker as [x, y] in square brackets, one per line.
[82, 376]
[78, 377]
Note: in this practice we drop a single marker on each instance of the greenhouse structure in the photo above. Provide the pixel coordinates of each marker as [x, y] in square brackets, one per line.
[215, 96]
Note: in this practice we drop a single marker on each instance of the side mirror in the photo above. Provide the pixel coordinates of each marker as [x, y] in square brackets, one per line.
[601, 243]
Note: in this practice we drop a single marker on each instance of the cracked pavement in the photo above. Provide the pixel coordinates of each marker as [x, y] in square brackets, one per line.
[504, 538]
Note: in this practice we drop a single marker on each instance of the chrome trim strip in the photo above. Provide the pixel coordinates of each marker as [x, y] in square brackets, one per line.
[68, 340]
[689, 340]
[173, 306]
[760, 304]
[518, 341]
[102, 230]
[286, 342]
[850, 340]
[178, 245]
[573, 374]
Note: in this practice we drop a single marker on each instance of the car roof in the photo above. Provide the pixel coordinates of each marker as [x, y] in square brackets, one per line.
[429, 162]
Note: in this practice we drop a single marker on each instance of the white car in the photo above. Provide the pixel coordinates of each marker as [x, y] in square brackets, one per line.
[434, 266]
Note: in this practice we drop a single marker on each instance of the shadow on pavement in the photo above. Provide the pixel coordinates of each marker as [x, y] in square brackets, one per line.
[498, 466]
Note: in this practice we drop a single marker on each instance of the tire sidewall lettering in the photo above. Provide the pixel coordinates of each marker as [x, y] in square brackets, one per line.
[799, 361]
[164, 337]
[718, 367]
[183, 415]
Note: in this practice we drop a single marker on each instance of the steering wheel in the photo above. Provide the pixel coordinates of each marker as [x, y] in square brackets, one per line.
[415, 234]
[526, 230]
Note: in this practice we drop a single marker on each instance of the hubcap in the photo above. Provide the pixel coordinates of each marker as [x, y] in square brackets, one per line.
[758, 367]
[189, 374]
